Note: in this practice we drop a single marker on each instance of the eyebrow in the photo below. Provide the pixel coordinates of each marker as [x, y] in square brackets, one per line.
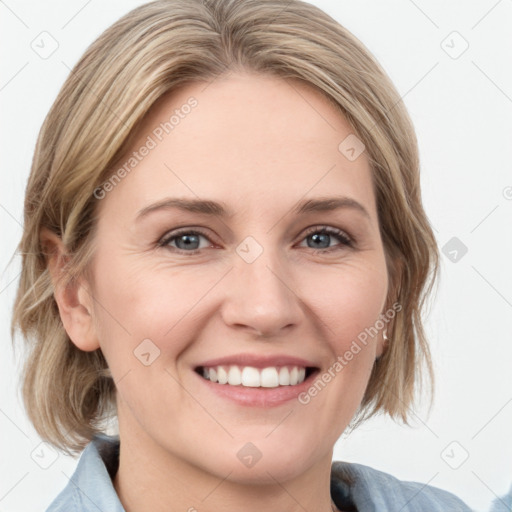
[214, 208]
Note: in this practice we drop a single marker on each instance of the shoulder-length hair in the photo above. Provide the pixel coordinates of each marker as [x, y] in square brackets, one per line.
[153, 50]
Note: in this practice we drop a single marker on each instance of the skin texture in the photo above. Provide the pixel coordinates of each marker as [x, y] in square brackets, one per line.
[259, 144]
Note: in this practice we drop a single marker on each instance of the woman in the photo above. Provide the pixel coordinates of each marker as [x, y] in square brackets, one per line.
[224, 249]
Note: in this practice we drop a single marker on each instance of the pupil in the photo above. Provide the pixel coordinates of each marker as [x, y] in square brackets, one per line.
[187, 240]
[321, 237]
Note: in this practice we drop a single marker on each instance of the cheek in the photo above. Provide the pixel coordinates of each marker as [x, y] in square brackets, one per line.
[146, 320]
[348, 299]
[348, 304]
[136, 302]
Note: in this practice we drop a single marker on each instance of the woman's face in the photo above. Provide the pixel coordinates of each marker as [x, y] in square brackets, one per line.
[233, 277]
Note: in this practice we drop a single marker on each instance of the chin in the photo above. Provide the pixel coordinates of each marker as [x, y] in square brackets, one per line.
[265, 460]
[264, 472]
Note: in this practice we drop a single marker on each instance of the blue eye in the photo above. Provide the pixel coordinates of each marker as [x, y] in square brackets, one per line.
[321, 238]
[185, 241]
[188, 241]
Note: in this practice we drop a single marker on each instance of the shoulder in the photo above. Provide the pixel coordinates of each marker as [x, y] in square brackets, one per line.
[91, 488]
[503, 504]
[369, 489]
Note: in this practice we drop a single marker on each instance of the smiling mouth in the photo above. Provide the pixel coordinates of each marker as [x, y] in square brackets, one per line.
[251, 377]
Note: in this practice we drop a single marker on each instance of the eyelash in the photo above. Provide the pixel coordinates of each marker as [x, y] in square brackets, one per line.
[343, 238]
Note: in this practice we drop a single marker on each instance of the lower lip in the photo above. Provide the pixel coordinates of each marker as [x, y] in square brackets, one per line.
[259, 397]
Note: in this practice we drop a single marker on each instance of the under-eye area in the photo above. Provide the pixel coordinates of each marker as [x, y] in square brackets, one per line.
[252, 377]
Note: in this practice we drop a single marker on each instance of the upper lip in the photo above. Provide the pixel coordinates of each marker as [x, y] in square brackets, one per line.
[258, 361]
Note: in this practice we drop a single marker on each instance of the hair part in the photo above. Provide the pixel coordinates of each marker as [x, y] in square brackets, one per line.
[155, 49]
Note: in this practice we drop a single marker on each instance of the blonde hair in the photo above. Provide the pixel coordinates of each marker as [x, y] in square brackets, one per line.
[152, 50]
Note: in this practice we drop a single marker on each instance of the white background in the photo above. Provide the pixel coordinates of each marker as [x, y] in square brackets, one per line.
[462, 111]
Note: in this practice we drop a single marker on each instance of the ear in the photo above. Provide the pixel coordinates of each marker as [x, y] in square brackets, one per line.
[74, 300]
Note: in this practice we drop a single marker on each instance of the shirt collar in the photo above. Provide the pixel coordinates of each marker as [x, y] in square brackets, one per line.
[353, 486]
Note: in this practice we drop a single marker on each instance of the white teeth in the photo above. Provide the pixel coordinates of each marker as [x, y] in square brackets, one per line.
[248, 376]
[234, 376]
[222, 375]
[284, 376]
[294, 376]
[251, 377]
[269, 378]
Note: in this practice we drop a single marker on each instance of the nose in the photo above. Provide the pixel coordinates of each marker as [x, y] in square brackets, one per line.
[261, 297]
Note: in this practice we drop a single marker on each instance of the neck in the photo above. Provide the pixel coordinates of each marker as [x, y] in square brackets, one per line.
[151, 478]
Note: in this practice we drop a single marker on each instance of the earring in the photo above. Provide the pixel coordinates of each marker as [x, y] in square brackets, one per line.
[386, 339]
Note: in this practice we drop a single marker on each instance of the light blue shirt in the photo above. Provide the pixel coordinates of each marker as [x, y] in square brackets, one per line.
[503, 504]
[90, 489]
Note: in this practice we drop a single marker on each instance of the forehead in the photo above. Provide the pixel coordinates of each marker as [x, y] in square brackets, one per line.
[242, 138]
